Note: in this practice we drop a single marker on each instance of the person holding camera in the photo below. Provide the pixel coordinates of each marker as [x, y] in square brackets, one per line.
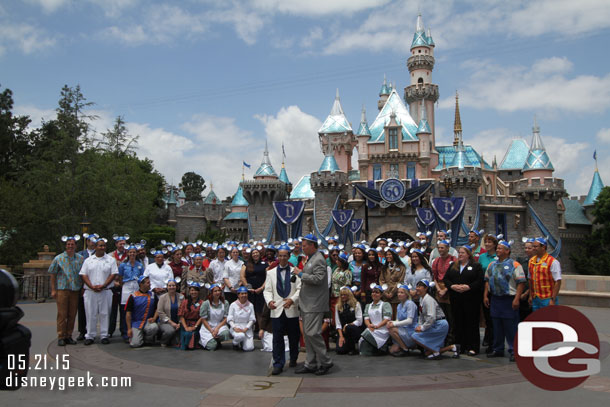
[65, 288]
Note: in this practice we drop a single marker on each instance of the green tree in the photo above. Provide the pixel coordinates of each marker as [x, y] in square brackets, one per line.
[117, 141]
[593, 256]
[15, 138]
[193, 186]
[64, 177]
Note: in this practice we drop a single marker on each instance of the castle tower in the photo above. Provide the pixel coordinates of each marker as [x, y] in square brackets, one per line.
[537, 164]
[425, 141]
[363, 135]
[384, 92]
[462, 178]
[260, 193]
[539, 188]
[420, 65]
[337, 132]
[171, 206]
[328, 183]
[235, 224]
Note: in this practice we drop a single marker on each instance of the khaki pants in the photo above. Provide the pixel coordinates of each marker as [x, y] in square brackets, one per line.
[67, 306]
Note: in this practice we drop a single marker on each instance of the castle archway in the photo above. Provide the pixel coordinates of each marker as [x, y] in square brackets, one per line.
[395, 235]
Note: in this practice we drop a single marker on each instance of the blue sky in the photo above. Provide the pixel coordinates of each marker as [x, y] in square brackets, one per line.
[203, 82]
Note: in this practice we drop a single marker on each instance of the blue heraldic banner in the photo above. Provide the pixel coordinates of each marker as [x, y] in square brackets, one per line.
[288, 213]
[342, 218]
[450, 210]
[355, 227]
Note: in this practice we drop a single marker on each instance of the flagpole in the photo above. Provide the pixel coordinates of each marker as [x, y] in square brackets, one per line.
[595, 158]
[243, 176]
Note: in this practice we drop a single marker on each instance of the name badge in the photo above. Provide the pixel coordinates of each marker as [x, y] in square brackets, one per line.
[506, 267]
[469, 267]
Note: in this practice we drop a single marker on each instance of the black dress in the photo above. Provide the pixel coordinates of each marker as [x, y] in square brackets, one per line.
[466, 306]
[256, 273]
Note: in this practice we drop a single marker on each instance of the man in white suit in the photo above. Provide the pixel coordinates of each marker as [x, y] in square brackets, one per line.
[281, 294]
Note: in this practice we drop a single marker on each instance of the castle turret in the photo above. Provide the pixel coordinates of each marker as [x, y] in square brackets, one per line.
[235, 224]
[421, 65]
[462, 178]
[260, 193]
[424, 134]
[336, 132]
[596, 187]
[539, 188]
[537, 164]
[171, 207]
[384, 92]
[328, 183]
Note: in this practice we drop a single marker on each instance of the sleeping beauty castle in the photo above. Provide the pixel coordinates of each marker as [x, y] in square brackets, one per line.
[405, 182]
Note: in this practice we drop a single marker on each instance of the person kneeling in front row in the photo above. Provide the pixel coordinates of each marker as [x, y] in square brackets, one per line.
[241, 318]
[141, 314]
[432, 327]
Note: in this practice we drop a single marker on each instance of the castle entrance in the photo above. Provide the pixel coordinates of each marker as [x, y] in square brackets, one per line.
[395, 235]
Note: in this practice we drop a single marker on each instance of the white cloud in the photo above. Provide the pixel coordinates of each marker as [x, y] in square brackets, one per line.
[457, 24]
[171, 153]
[603, 135]
[159, 24]
[490, 143]
[316, 7]
[247, 24]
[299, 133]
[37, 115]
[49, 6]
[24, 37]
[315, 34]
[544, 86]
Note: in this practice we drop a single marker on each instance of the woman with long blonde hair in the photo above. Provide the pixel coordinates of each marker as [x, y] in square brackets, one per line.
[348, 321]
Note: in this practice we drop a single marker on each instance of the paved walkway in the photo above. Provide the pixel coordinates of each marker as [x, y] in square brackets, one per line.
[227, 378]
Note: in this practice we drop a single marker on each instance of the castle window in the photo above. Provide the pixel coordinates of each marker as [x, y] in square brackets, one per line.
[393, 173]
[419, 51]
[410, 170]
[501, 224]
[376, 172]
[393, 139]
[420, 81]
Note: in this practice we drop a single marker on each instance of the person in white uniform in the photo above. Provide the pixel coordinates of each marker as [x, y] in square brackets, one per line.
[377, 314]
[232, 275]
[241, 319]
[98, 274]
[218, 266]
[159, 273]
[214, 312]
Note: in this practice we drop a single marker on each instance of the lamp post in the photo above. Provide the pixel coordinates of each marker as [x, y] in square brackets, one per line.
[84, 228]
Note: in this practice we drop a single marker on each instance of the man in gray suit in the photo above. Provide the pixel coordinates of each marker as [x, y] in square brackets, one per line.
[313, 303]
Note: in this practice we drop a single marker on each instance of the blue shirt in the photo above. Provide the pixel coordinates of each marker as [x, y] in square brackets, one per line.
[129, 272]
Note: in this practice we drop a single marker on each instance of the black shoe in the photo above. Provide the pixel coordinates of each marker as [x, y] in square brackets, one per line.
[276, 370]
[70, 341]
[322, 370]
[495, 355]
[61, 342]
[81, 337]
[292, 363]
[511, 358]
[236, 347]
[353, 352]
[456, 352]
[105, 341]
[88, 342]
[305, 369]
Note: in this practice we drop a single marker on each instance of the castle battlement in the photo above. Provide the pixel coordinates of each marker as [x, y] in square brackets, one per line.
[540, 188]
[420, 62]
[428, 91]
[328, 181]
[504, 201]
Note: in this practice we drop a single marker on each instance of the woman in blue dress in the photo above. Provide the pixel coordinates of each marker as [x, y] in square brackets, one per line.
[403, 327]
[432, 327]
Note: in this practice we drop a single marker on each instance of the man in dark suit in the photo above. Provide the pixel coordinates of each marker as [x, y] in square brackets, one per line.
[313, 303]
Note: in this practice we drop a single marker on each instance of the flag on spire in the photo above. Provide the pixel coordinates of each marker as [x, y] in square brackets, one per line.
[246, 164]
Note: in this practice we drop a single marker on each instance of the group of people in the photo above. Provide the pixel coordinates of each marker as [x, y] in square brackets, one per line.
[386, 297]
